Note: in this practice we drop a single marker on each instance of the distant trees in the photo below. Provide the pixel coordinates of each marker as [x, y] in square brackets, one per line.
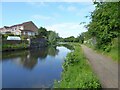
[51, 36]
[69, 39]
[79, 39]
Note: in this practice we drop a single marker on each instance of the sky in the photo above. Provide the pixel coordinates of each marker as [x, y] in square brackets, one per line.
[62, 17]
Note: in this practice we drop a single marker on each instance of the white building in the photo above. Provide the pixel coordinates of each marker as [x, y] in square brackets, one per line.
[26, 28]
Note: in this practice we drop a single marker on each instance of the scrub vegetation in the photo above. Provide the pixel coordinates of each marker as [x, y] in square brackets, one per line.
[77, 72]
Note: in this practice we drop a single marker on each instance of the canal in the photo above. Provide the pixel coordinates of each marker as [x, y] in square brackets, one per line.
[35, 68]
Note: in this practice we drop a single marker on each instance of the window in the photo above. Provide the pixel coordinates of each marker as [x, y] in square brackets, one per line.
[15, 28]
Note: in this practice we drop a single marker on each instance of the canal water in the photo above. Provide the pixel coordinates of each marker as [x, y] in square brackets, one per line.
[35, 68]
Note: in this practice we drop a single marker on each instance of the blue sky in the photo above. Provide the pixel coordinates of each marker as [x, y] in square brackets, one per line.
[62, 17]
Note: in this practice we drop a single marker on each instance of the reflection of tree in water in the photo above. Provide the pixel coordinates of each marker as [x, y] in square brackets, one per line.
[70, 47]
[52, 51]
[29, 62]
[14, 54]
[28, 58]
[39, 53]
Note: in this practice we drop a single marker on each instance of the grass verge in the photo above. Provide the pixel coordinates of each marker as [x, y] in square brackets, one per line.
[76, 72]
[112, 52]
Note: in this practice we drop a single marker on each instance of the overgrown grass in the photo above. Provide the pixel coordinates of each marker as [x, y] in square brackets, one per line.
[14, 46]
[111, 51]
[76, 72]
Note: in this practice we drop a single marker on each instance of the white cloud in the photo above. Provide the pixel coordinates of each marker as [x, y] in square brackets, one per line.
[56, 15]
[37, 4]
[87, 9]
[67, 8]
[49, 0]
[67, 29]
[41, 17]
[61, 7]
[58, 0]
[71, 8]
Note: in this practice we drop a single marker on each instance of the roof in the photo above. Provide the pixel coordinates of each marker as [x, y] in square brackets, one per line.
[21, 24]
[17, 25]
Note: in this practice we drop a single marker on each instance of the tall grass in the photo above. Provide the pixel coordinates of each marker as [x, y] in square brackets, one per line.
[76, 72]
[111, 51]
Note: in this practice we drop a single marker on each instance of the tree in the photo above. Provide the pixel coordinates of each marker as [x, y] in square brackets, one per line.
[81, 38]
[42, 32]
[105, 23]
[52, 38]
[69, 39]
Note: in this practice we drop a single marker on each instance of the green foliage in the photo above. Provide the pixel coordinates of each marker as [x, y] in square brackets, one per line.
[105, 27]
[42, 32]
[69, 39]
[14, 47]
[76, 72]
[81, 38]
[4, 36]
[52, 38]
[113, 52]
[105, 24]
[67, 45]
[24, 37]
[109, 50]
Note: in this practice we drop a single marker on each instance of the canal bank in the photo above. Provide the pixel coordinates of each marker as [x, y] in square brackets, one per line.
[77, 72]
[13, 45]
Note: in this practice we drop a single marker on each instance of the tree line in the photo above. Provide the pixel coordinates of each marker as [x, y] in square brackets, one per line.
[54, 37]
[104, 25]
[50, 35]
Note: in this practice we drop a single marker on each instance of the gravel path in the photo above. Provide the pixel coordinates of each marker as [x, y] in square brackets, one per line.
[104, 67]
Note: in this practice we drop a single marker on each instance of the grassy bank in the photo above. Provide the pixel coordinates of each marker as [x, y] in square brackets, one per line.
[111, 51]
[10, 47]
[76, 71]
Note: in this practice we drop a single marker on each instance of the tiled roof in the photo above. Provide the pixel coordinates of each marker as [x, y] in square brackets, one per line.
[20, 24]
[16, 25]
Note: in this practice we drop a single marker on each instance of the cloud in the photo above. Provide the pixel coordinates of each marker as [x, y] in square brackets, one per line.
[85, 10]
[67, 29]
[51, 0]
[41, 17]
[36, 4]
[67, 8]
[71, 8]
[61, 7]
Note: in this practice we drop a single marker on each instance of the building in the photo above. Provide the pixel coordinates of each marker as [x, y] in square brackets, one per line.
[26, 28]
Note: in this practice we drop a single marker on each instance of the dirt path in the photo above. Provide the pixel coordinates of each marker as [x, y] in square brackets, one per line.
[105, 68]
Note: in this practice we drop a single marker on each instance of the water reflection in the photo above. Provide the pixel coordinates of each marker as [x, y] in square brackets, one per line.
[29, 58]
[35, 68]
